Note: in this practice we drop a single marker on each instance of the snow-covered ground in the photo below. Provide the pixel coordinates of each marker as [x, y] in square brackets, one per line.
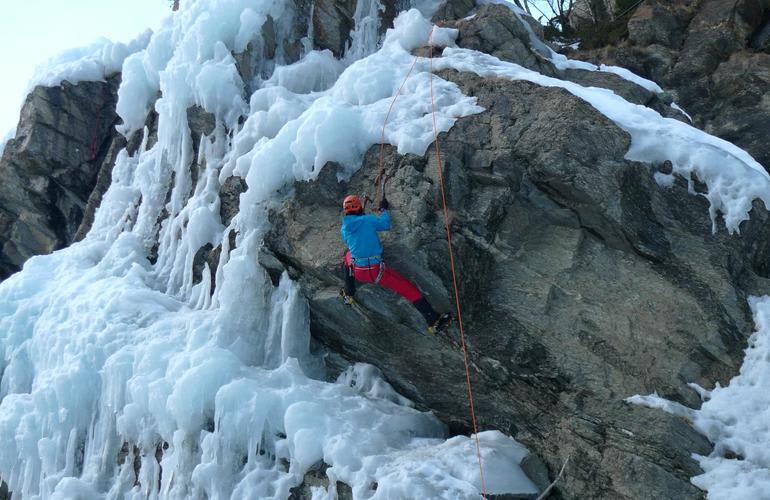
[87, 64]
[101, 348]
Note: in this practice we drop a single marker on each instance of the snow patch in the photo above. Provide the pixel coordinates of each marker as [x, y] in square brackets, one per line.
[735, 418]
[632, 77]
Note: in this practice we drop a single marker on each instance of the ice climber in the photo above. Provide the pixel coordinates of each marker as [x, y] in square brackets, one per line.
[363, 260]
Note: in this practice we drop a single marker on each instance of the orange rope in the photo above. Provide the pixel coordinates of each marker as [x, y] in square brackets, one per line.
[379, 181]
[454, 272]
[449, 242]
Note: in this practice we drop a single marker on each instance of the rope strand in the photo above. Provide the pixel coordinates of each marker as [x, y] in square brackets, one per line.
[380, 182]
[454, 272]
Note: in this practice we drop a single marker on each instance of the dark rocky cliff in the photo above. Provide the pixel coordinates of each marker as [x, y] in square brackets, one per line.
[584, 282]
[714, 55]
[65, 145]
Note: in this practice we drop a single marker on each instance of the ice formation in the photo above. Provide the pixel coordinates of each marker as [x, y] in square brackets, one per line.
[106, 355]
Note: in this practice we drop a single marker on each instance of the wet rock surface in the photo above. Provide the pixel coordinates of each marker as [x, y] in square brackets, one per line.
[65, 141]
[583, 282]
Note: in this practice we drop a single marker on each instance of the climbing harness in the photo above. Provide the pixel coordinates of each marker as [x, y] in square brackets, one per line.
[379, 265]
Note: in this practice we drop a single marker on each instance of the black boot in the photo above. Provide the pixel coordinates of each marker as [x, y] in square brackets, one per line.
[349, 291]
[426, 310]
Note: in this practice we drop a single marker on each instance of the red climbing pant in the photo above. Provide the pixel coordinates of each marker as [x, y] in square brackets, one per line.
[390, 279]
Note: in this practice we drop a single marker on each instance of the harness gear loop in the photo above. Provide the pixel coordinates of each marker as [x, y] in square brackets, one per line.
[380, 273]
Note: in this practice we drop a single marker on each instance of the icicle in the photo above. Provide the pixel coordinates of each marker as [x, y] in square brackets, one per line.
[365, 35]
[308, 41]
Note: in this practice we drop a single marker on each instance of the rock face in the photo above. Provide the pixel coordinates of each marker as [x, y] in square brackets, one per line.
[714, 54]
[332, 22]
[495, 30]
[583, 283]
[64, 141]
[591, 11]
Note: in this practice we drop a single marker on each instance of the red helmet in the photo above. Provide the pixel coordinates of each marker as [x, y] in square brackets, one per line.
[351, 204]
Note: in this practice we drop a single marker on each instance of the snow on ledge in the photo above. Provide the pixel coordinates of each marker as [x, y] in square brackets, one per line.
[91, 63]
[734, 178]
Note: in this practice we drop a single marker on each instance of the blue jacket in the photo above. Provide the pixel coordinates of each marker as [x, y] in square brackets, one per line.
[359, 232]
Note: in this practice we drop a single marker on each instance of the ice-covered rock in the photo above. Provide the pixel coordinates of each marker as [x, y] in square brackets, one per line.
[579, 278]
[177, 350]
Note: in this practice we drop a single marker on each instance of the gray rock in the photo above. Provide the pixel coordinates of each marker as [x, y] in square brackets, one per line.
[200, 122]
[709, 54]
[230, 198]
[450, 10]
[741, 108]
[317, 477]
[497, 31]
[658, 23]
[65, 141]
[583, 283]
[332, 22]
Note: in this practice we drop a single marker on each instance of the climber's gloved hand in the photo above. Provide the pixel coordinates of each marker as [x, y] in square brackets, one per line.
[384, 205]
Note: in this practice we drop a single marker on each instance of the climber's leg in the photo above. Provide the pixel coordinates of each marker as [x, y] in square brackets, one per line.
[349, 277]
[392, 280]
